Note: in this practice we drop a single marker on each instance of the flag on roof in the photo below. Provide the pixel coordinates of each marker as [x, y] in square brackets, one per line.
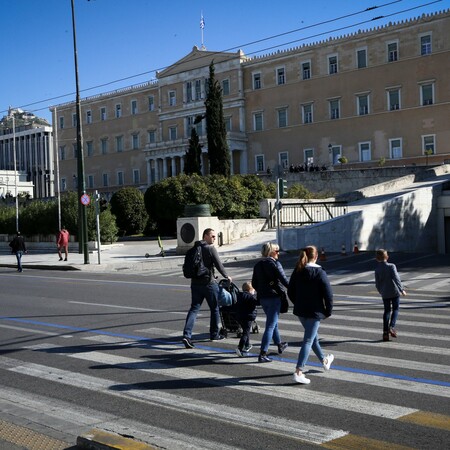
[202, 23]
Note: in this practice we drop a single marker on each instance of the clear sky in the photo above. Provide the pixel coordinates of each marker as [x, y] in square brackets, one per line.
[123, 42]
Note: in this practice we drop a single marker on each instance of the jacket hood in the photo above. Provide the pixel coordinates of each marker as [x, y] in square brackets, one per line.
[310, 272]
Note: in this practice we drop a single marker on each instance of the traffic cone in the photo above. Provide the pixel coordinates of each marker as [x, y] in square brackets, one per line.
[322, 257]
[355, 248]
[343, 252]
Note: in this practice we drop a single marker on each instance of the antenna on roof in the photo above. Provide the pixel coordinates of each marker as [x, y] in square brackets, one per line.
[202, 26]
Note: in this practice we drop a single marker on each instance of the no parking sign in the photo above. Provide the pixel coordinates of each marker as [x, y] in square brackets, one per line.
[85, 199]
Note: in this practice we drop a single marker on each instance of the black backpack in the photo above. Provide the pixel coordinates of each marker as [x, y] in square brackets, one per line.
[193, 266]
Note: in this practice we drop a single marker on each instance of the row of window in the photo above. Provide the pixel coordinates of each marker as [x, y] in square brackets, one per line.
[365, 152]
[393, 95]
[106, 181]
[361, 61]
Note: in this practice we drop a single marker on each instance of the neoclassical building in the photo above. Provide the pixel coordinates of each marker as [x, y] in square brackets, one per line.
[378, 96]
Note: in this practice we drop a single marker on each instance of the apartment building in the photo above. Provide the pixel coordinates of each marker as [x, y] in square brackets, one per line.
[379, 96]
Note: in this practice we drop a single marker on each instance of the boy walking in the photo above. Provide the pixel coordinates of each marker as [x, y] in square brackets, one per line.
[245, 315]
[389, 285]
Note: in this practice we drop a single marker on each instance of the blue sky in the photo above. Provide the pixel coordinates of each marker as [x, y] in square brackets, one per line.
[128, 40]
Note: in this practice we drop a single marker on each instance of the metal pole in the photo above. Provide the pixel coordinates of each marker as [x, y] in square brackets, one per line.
[278, 213]
[15, 170]
[56, 151]
[82, 217]
[97, 220]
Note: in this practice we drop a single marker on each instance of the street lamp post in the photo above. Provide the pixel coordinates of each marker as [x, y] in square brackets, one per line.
[82, 218]
[15, 170]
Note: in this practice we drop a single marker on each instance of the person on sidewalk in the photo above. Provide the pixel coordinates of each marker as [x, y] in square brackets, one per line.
[389, 285]
[63, 243]
[18, 248]
[206, 287]
[246, 315]
[310, 291]
[268, 280]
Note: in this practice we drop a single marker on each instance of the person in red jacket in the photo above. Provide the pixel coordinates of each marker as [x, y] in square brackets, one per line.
[63, 243]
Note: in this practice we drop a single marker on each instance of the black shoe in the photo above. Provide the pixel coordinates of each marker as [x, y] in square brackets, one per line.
[282, 346]
[65, 259]
[219, 337]
[248, 348]
[386, 337]
[60, 259]
[188, 343]
[263, 358]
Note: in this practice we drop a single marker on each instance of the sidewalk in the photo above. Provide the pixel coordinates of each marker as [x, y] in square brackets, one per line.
[136, 256]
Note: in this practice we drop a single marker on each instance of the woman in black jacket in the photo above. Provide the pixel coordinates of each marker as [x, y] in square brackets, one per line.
[310, 291]
[268, 280]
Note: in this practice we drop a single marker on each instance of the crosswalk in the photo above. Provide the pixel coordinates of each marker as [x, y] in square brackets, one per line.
[403, 381]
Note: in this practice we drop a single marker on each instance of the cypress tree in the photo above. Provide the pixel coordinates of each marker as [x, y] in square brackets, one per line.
[193, 161]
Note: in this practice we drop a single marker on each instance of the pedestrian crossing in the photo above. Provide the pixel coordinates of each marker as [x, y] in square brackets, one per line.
[403, 381]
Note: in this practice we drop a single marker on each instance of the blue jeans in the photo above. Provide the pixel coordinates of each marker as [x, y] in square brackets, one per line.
[19, 260]
[388, 320]
[310, 339]
[271, 307]
[210, 292]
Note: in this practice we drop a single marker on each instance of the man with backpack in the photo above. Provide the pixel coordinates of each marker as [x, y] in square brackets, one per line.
[204, 286]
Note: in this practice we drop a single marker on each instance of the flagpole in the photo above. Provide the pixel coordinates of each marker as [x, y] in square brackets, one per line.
[202, 26]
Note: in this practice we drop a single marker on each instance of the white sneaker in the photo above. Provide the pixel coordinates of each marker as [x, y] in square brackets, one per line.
[327, 361]
[301, 379]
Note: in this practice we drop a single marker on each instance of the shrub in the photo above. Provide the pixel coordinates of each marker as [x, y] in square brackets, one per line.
[128, 206]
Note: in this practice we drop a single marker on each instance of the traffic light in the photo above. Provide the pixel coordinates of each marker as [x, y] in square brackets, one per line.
[282, 188]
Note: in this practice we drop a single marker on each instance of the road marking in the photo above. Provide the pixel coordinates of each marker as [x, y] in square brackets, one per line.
[34, 331]
[428, 419]
[352, 442]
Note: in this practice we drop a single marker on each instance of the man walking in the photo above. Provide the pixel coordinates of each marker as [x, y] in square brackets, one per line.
[18, 247]
[206, 287]
[63, 243]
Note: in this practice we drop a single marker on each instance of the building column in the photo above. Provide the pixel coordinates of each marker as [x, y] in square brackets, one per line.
[165, 167]
[181, 164]
[174, 166]
[156, 170]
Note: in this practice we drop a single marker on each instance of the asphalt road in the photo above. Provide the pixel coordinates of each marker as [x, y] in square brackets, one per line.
[84, 350]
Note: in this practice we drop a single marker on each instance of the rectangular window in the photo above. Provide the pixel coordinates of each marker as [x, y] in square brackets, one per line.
[198, 90]
[282, 118]
[392, 51]
[104, 146]
[134, 107]
[332, 64]
[75, 181]
[119, 144]
[118, 111]
[62, 153]
[226, 87]
[172, 133]
[88, 117]
[189, 97]
[393, 99]
[120, 178]
[427, 94]
[283, 159]
[258, 121]
[428, 145]
[102, 113]
[364, 151]
[61, 122]
[105, 180]
[306, 70]
[363, 104]
[307, 113]
[259, 162]
[136, 176]
[336, 152]
[90, 181]
[361, 58]
[151, 103]
[172, 98]
[75, 150]
[334, 109]
[74, 120]
[425, 45]
[257, 81]
[151, 136]
[89, 148]
[135, 141]
[63, 184]
[395, 148]
[228, 123]
[308, 156]
[281, 76]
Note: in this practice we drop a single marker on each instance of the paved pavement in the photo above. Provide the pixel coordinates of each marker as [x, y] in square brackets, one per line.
[136, 256]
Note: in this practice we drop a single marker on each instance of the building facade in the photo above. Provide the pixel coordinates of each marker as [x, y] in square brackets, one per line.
[380, 96]
[27, 141]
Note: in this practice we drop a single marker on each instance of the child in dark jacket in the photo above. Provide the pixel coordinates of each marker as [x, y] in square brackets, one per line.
[245, 315]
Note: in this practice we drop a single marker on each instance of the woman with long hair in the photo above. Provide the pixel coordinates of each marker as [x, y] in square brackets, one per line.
[310, 291]
[268, 280]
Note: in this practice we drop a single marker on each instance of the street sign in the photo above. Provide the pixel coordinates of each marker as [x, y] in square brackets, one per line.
[85, 199]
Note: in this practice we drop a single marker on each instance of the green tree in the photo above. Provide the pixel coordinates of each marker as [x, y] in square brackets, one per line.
[218, 152]
[193, 162]
[127, 204]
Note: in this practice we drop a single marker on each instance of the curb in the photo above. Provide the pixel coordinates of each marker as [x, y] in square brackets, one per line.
[102, 440]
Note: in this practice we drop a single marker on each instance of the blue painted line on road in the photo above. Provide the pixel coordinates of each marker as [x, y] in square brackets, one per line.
[205, 347]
